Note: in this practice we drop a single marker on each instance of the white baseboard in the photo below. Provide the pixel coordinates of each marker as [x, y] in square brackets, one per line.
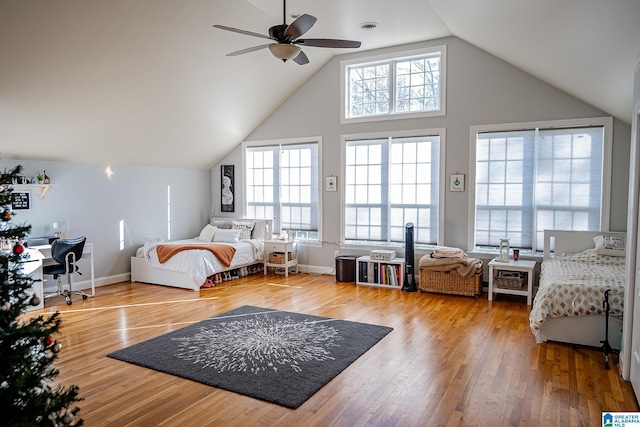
[50, 284]
[316, 269]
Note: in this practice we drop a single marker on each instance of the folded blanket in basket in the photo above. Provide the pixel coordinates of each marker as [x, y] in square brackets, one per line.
[447, 252]
[466, 267]
[224, 253]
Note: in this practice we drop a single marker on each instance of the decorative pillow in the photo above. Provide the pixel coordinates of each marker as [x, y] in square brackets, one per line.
[207, 233]
[153, 239]
[260, 230]
[245, 228]
[228, 236]
[610, 245]
[222, 224]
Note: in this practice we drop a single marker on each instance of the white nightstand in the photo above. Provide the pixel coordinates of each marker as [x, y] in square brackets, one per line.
[289, 250]
[520, 266]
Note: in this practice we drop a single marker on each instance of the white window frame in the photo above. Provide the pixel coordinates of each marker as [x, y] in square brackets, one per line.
[290, 141]
[442, 133]
[605, 206]
[398, 56]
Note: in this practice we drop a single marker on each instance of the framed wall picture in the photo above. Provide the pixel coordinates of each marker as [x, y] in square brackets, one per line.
[456, 182]
[332, 183]
[20, 201]
[228, 190]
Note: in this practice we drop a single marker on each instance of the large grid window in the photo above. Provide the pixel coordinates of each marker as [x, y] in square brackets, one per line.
[282, 183]
[536, 179]
[390, 182]
[396, 86]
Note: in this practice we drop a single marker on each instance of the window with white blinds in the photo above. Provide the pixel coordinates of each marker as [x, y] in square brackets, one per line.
[535, 179]
[389, 182]
[282, 183]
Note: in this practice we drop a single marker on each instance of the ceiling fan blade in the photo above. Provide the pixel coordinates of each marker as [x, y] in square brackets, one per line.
[329, 43]
[248, 33]
[300, 26]
[301, 59]
[249, 49]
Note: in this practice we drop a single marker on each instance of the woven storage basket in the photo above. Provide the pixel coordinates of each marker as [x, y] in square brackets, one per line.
[510, 280]
[450, 282]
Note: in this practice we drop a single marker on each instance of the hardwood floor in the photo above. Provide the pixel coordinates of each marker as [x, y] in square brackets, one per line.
[450, 360]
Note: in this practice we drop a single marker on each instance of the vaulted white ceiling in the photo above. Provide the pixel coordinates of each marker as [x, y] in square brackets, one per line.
[147, 82]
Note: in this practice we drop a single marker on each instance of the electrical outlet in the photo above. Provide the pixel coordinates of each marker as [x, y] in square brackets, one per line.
[337, 253]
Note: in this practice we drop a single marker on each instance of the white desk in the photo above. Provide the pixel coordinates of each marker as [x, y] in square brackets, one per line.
[87, 252]
[32, 267]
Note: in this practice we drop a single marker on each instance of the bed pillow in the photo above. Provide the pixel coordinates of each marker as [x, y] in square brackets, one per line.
[227, 236]
[207, 233]
[222, 224]
[260, 230]
[153, 239]
[610, 245]
[245, 227]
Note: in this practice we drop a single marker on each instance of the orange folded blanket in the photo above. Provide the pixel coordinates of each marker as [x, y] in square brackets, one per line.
[224, 253]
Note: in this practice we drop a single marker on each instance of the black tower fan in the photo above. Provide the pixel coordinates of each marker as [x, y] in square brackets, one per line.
[409, 280]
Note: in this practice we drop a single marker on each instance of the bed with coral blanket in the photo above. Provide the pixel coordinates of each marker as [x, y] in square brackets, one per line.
[189, 263]
[568, 306]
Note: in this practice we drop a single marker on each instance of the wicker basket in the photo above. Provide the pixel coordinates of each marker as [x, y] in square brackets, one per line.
[510, 280]
[450, 282]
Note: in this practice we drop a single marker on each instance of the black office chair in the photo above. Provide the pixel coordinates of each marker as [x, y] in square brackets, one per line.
[66, 253]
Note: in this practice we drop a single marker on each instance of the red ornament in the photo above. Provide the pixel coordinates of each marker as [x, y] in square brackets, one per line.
[18, 249]
[48, 341]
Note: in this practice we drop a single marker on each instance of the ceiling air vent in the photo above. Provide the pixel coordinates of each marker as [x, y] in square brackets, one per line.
[368, 26]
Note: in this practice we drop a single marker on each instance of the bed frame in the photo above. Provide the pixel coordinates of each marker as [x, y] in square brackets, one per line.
[142, 271]
[582, 330]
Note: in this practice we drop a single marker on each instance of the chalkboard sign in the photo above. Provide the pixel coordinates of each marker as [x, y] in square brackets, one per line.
[21, 201]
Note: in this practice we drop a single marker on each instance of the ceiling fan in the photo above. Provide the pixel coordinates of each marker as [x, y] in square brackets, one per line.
[287, 42]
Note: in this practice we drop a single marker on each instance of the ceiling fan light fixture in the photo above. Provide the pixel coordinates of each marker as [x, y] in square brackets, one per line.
[284, 51]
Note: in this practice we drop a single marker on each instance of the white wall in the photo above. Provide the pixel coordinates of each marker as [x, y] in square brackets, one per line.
[481, 89]
[630, 355]
[95, 204]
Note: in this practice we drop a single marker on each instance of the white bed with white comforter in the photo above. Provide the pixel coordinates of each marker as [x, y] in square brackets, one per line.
[190, 269]
[568, 306]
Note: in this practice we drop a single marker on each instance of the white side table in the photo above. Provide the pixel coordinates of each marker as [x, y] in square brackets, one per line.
[524, 266]
[282, 246]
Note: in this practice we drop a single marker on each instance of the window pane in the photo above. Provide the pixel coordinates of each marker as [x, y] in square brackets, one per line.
[504, 164]
[418, 84]
[369, 90]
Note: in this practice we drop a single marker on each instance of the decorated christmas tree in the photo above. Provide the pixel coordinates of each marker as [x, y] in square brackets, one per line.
[28, 348]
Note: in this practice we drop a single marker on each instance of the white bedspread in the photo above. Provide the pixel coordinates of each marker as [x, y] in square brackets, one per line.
[574, 285]
[200, 264]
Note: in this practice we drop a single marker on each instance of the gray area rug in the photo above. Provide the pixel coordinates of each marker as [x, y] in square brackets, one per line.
[277, 356]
